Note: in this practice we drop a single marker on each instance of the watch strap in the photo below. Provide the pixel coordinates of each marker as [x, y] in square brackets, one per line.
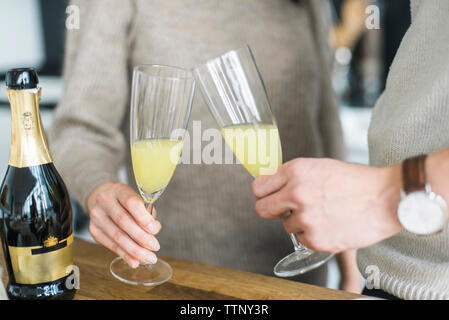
[413, 174]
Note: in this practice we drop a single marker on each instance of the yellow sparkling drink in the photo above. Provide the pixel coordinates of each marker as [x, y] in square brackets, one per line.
[154, 162]
[257, 147]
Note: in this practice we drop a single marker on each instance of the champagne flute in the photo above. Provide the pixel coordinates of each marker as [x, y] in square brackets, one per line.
[235, 93]
[161, 102]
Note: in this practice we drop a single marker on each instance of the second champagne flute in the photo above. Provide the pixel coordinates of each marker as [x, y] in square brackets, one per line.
[161, 102]
[236, 96]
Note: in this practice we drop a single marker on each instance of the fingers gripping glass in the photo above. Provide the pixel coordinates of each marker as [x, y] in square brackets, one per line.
[161, 102]
[235, 93]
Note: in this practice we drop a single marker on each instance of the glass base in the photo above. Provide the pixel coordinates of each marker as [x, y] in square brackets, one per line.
[300, 261]
[144, 274]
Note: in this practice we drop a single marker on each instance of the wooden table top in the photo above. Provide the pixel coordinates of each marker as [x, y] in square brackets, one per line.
[191, 280]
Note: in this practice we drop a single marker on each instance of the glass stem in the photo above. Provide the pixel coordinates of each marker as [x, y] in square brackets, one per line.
[298, 246]
[149, 206]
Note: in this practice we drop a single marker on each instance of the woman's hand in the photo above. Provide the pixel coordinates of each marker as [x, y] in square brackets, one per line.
[334, 205]
[120, 222]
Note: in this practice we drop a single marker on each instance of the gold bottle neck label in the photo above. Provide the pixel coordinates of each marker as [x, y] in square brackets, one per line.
[29, 145]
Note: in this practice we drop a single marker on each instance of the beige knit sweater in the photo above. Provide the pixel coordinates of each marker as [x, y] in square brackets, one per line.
[411, 118]
[207, 211]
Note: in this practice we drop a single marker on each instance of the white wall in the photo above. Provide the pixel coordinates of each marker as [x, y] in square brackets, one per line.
[21, 37]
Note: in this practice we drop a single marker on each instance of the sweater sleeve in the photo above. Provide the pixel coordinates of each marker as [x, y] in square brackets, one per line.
[85, 138]
[411, 116]
[329, 116]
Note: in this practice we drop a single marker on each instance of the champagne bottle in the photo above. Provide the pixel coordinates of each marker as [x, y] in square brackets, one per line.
[35, 209]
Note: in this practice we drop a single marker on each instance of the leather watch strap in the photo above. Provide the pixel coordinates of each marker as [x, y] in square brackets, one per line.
[413, 174]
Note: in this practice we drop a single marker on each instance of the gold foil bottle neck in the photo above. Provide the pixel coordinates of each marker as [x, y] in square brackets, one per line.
[29, 145]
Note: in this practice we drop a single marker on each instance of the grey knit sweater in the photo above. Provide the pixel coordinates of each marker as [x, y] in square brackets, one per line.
[411, 118]
[207, 211]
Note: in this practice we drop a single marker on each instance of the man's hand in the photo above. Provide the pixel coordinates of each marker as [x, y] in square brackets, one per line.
[335, 206]
[120, 221]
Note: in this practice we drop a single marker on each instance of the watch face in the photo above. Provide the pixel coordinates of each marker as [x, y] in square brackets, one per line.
[423, 213]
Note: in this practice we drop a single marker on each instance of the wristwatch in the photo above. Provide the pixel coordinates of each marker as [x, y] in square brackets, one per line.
[420, 211]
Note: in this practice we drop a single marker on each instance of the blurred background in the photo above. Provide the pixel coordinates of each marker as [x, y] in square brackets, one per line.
[33, 36]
